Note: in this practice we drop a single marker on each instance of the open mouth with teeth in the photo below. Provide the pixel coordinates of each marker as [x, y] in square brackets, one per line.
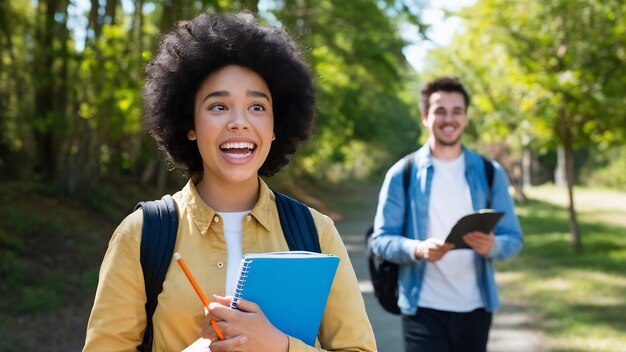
[448, 128]
[238, 150]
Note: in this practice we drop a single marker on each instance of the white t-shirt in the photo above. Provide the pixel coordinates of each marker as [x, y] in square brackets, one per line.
[232, 233]
[450, 284]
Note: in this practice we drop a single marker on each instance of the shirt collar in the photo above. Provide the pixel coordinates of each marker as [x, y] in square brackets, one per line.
[203, 215]
[425, 156]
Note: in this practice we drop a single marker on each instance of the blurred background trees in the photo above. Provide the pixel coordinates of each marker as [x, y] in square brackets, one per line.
[547, 81]
[72, 73]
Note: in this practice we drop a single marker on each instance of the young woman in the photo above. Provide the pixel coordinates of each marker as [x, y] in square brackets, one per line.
[227, 99]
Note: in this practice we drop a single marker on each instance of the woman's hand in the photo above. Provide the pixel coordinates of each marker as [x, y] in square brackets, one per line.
[245, 328]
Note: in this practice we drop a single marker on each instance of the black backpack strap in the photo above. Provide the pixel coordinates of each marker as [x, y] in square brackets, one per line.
[489, 169]
[406, 171]
[297, 224]
[406, 180]
[160, 224]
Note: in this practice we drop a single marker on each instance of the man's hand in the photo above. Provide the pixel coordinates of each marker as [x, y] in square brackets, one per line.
[480, 242]
[432, 249]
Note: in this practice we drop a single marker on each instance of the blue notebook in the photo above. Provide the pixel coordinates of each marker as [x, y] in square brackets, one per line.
[291, 288]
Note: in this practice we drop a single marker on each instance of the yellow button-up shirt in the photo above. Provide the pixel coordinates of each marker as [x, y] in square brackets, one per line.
[118, 316]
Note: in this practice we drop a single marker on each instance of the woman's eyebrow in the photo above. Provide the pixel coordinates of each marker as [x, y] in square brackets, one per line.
[224, 93]
[256, 93]
[217, 93]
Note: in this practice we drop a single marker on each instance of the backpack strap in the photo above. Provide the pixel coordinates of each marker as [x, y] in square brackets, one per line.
[406, 171]
[406, 181]
[489, 170]
[158, 236]
[297, 224]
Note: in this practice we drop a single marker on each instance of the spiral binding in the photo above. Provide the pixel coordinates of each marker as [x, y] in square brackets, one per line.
[241, 280]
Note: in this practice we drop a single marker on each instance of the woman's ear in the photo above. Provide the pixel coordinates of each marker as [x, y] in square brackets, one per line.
[191, 135]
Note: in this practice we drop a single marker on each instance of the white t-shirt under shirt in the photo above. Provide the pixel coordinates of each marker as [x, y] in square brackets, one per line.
[232, 233]
[450, 284]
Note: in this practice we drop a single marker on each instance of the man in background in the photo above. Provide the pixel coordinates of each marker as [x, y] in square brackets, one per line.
[446, 295]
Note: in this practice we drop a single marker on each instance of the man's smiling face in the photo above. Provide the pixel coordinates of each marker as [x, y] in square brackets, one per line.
[446, 118]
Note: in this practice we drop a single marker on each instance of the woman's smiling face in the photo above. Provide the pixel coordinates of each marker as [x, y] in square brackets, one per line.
[234, 124]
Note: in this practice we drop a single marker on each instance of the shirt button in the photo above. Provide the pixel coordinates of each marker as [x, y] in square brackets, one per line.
[216, 219]
[220, 265]
[248, 218]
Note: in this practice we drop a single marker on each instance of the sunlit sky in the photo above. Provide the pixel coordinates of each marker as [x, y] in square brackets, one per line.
[440, 32]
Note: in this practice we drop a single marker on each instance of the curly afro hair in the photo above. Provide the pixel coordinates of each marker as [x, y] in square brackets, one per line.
[193, 50]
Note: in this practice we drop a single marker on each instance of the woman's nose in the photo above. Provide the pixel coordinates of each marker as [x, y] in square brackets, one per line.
[238, 120]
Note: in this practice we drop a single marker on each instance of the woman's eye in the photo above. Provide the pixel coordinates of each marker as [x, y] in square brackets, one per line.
[217, 107]
[257, 107]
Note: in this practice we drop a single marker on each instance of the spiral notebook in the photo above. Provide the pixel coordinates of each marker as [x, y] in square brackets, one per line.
[291, 288]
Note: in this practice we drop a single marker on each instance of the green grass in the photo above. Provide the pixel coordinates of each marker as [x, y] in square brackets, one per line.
[579, 298]
[51, 244]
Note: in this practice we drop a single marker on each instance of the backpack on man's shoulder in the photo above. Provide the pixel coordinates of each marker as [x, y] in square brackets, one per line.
[384, 274]
[158, 236]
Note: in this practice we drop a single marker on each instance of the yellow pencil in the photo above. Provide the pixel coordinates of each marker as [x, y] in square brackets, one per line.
[198, 290]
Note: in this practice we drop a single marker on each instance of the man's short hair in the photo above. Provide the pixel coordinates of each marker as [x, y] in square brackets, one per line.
[442, 84]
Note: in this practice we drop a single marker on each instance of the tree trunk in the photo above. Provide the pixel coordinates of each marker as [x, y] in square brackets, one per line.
[172, 13]
[527, 158]
[150, 170]
[109, 11]
[573, 222]
[518, 182]
[95, 20]
[44, 115]
[136, 31]
[61, 97]
[560, 173]
[568, 152]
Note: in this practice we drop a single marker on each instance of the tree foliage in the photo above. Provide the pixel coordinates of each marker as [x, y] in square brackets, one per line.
[72, 76]
[365, 113]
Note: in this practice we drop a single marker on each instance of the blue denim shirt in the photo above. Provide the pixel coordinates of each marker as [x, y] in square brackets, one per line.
[397, 231]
